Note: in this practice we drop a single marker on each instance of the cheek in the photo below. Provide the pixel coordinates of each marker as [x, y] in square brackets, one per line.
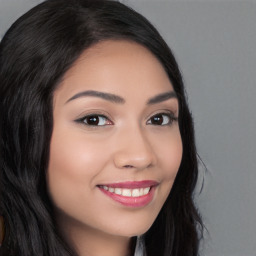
[73, 166]
[170, 155]
[72, 153]
[169, 160]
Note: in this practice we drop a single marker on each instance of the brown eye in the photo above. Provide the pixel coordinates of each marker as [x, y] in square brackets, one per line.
[92, 120]
[95, 120]
[157, 120]
[162, 119]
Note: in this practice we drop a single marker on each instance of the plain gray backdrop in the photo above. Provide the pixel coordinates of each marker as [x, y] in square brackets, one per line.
[215, 45]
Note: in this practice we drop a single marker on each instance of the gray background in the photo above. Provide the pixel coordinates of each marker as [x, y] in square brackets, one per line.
[215, 45]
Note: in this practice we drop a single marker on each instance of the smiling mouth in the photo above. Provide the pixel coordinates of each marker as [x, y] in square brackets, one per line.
[132, 193]
[126, 192]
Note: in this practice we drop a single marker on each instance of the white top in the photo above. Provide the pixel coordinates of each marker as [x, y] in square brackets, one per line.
[140, 247]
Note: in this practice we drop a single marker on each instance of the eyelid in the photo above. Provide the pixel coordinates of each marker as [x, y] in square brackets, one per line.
[170, 114]
[94, 112]
[91, 114]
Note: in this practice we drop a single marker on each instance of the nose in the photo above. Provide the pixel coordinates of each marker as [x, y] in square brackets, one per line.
[134, 150]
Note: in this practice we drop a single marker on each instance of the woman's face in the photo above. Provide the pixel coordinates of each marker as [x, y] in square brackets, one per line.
[116, 146]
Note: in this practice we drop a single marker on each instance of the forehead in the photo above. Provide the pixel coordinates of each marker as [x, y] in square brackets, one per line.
[120, 67]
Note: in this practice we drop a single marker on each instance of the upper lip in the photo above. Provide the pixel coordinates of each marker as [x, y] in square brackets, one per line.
[132, 184]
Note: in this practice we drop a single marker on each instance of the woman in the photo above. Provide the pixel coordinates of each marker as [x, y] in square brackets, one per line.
[97, 141]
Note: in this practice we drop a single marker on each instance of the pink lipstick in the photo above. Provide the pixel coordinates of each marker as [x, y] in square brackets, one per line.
[130, 193]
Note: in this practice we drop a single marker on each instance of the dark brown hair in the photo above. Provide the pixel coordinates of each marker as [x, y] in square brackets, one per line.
[34, 55]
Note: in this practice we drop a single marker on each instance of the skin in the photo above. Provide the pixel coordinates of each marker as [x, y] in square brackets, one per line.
[126, 146]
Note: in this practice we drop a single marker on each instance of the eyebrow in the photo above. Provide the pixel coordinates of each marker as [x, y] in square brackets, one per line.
[119, 100]
[162, 97]
[103, 95]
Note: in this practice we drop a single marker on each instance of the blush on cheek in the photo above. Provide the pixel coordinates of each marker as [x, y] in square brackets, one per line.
[172, 160]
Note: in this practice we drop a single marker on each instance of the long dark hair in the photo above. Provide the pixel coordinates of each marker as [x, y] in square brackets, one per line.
[34, 55]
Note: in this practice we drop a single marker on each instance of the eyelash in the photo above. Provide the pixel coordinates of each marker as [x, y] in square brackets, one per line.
[166, 118]
[94, 116]
[163, 116]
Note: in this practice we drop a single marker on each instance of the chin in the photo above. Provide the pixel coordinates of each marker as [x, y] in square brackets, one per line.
[136, 229]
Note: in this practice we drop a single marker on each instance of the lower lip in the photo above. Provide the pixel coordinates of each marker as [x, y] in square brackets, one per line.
[134, 202]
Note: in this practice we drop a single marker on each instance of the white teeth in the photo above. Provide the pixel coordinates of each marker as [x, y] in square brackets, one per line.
[105, 187]
[128, 192]
[111, 190]
[146, 190]
[135, 192]
[118, 191]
